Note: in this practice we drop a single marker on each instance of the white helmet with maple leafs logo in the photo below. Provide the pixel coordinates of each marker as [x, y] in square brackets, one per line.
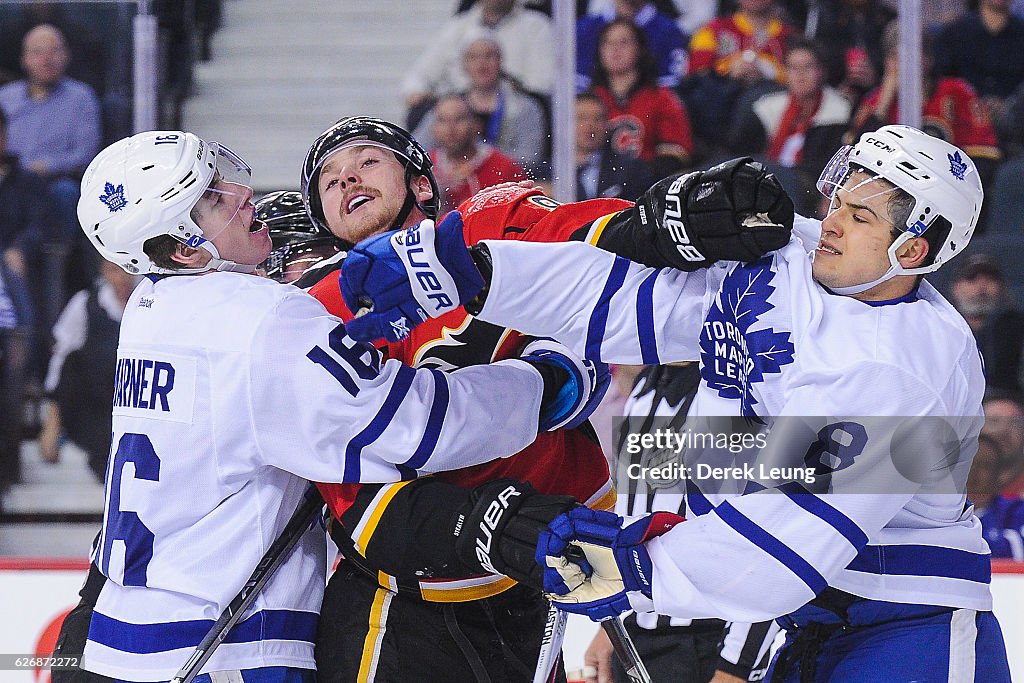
[145, 186]
[941, 178]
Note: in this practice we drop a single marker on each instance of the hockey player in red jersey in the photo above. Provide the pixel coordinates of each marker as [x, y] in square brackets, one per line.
[427, 590]
[402, 579]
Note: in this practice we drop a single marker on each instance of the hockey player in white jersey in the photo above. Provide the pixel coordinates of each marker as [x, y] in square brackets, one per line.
[886, 576]
[231, 391]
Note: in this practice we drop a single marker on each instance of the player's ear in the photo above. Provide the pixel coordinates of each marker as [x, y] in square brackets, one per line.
[913, 253]
[421, 188]
[189, 257]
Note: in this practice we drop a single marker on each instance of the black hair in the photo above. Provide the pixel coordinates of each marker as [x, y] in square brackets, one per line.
[161, 249]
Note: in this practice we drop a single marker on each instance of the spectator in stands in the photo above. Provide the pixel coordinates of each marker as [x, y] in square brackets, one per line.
[748, 46]
[1010, 124]
[25, 227]
[849, 33]
[797, 129]
[735, 56]
[24, 218]
[1004, 422]
[1002, 517]
[664, 39]
[985, 47]
[600, 171]
[979, 292]
[81, 369]
[645, 120]
[53, 121]
[13, 360]
[463, 164]
[937, 13]
[527, 48]
[510, 119]
[952, 110]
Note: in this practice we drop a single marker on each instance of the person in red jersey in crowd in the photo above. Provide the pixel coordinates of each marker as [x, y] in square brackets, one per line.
[464, 164]
[645, 121]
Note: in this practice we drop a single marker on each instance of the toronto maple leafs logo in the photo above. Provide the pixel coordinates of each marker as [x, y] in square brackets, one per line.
[957, 165]
[400, 328]
[733, 355]
[113, 197]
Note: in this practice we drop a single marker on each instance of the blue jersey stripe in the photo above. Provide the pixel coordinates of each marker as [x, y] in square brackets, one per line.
[438, 409]
[399, 389]
[599, 317]
[144, 639]
[822, 510]
[923, 561]
[645, 320]
[696, 502]
[773, 546]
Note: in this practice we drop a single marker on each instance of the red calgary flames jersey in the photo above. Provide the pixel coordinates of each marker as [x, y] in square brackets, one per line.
[563, 462]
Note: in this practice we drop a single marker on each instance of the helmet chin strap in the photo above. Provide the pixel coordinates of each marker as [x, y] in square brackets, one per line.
[407, 208]
[894, 269]
[857, 289]
[219, 264]
[410, 203]
[216, 263]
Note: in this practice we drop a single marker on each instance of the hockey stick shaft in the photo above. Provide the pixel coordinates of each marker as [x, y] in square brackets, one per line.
[276, 554]
[625, 648]
[551, 646]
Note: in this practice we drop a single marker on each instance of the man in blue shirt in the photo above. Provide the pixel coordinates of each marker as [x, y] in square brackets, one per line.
[53, 120]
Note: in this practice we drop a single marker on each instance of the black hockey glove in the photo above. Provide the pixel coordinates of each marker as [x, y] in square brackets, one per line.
[735, 211]
[497, 531]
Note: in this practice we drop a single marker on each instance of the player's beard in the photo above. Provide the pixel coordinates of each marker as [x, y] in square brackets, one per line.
[376, 220]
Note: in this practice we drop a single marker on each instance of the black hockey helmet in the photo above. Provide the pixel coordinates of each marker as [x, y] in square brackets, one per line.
[297, 243]
[353, 130]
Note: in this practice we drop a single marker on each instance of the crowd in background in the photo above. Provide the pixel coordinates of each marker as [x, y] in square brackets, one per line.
[65, 92]
[661, 87]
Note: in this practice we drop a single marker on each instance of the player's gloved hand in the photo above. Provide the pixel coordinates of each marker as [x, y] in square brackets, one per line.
[573, 391]
[497, 532]
[735, 211]
[592, 563]
[395, 281]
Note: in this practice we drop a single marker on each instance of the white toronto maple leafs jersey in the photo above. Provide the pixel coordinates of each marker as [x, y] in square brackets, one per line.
[776, 347]
[231, 391]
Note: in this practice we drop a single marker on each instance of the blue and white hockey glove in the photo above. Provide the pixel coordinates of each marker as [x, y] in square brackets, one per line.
[395, 281]
[592, 564]
[579, 395]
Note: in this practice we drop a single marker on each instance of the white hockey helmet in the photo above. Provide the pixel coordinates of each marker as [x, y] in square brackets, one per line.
[145, 186]
[941, 178]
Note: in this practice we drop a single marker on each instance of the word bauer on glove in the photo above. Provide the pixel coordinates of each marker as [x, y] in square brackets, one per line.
[396, 280]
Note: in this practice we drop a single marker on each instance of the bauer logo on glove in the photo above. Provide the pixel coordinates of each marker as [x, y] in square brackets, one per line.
[397, 280]
[674, 222]
[736, 211]
[409, 246]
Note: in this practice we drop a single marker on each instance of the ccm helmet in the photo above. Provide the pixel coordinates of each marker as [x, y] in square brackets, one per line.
[298, 244]
[366, 130]
[145, 186]
[941, 178]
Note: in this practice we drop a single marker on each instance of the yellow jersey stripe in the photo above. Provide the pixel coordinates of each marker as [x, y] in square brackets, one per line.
[371, 518]
[374, 636]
